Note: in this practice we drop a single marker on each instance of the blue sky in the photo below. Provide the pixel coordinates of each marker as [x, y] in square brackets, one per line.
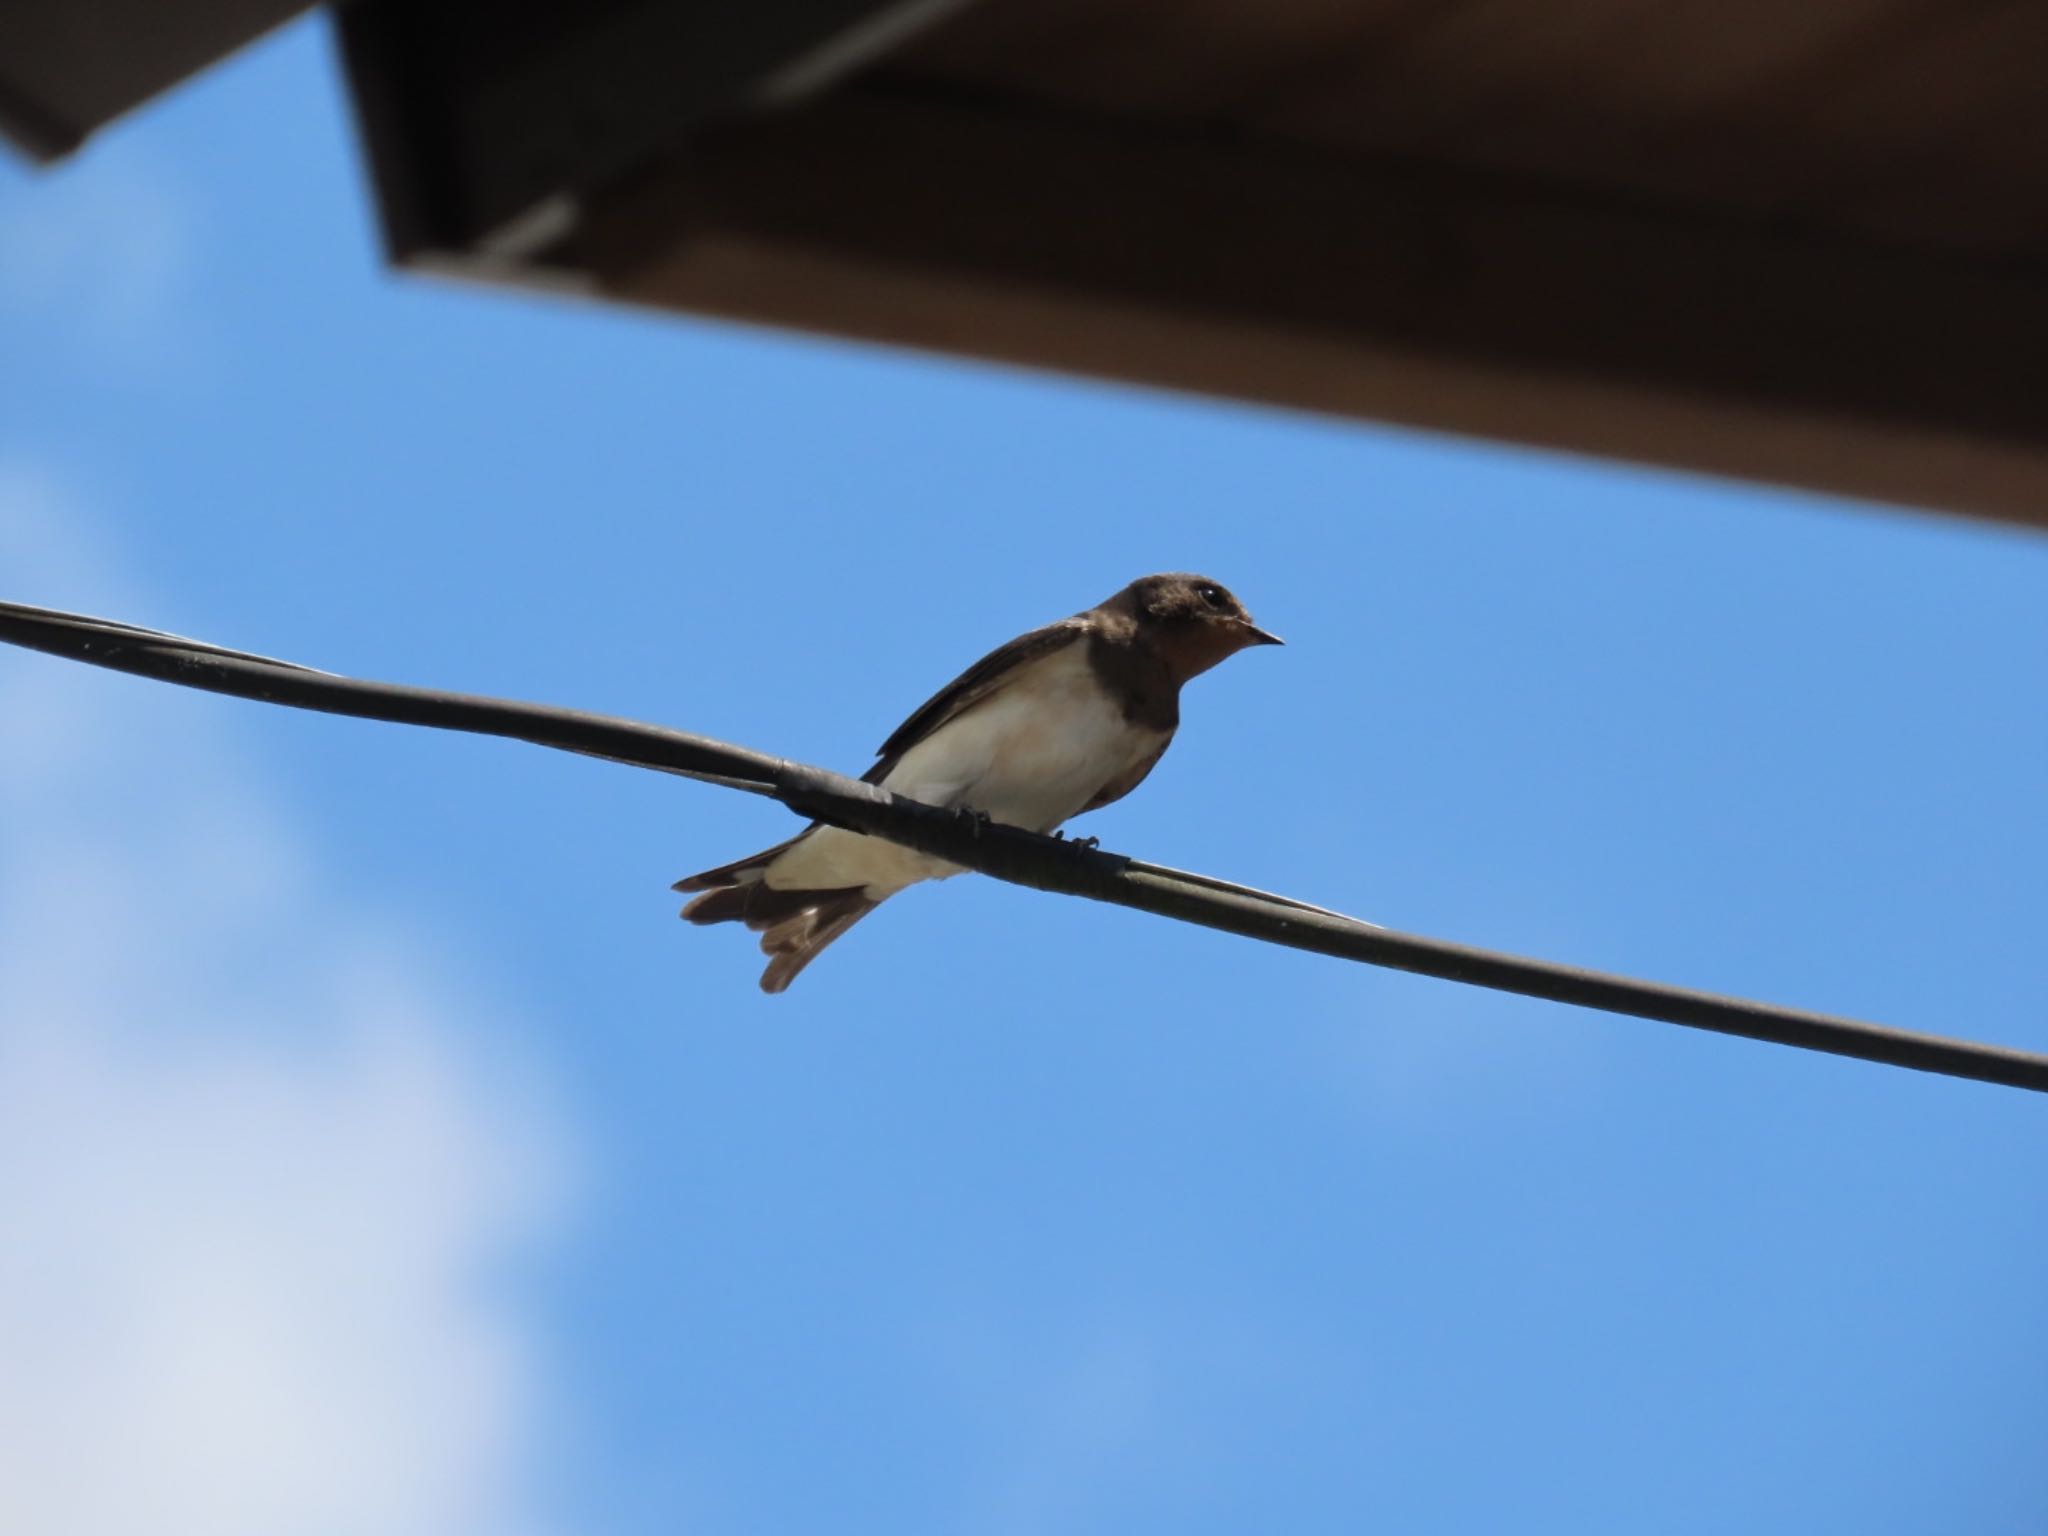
[383, 1156]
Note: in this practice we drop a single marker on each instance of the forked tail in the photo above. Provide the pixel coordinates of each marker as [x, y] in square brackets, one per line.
[794, 924]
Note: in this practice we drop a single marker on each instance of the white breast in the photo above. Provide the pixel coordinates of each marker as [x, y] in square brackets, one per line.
[1031, 755]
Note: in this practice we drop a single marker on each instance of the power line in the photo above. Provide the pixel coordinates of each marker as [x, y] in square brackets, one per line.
[1007, 853]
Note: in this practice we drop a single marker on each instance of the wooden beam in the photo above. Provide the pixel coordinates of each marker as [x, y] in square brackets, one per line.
[69, 67]
[1436, 299]
[486, 120]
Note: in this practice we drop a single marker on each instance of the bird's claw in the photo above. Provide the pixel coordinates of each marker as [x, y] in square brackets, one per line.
[976, 820]
[1085, 844]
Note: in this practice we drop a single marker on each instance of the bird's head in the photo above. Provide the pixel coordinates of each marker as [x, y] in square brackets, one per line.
[1190, 621]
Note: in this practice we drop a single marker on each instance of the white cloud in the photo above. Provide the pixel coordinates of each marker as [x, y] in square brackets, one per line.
[261, 1194]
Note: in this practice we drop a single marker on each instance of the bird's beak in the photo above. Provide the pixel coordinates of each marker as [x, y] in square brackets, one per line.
[1260, 636]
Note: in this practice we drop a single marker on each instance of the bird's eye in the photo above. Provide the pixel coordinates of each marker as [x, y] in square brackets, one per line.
[1213, 595]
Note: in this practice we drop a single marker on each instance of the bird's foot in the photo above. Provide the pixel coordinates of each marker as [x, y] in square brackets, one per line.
[1085, 844]
[976, 820]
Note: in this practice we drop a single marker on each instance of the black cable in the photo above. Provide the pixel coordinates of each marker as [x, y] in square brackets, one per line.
[1007, 853]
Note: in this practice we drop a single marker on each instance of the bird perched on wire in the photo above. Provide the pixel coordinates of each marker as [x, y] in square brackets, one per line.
[1059, 721]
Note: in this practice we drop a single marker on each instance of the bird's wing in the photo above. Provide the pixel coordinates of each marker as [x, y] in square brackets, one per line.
[987, 676]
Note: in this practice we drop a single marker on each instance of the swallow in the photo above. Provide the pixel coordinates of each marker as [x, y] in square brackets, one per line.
[1060, 721]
